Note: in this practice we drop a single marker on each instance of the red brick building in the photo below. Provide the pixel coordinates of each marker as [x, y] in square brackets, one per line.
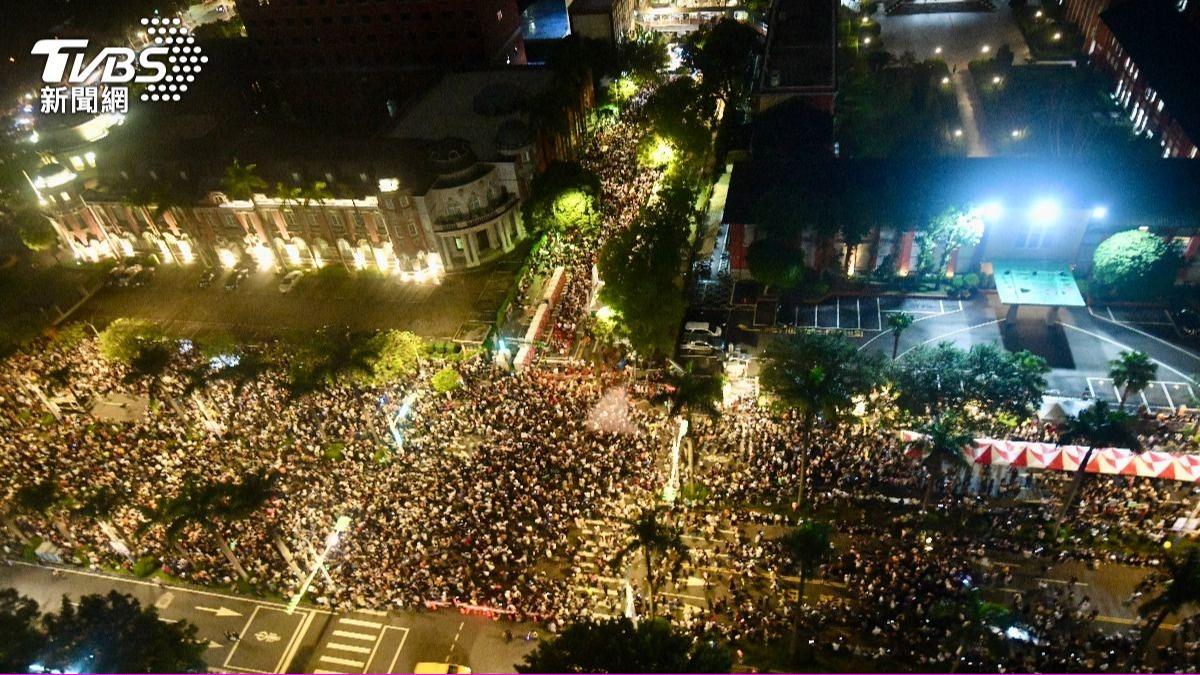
[1151, 49]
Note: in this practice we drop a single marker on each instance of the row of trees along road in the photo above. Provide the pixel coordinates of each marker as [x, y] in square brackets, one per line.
[97, 634]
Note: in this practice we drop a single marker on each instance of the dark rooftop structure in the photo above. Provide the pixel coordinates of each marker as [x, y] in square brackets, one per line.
[1166, 48]
[801, 48]
[1159, 192]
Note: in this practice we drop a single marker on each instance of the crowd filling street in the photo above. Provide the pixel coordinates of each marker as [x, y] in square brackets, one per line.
[487, 497]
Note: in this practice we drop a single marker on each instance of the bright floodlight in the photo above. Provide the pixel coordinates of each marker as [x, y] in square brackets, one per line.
[990, 210]
[1100, 212]
[1045, 211]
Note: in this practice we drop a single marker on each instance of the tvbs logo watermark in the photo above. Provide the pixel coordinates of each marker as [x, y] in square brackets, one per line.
[164, 67]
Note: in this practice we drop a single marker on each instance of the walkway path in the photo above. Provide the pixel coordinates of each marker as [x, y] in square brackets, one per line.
[968, 99]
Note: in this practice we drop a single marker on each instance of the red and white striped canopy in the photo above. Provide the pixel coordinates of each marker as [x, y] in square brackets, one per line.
[1051, 457]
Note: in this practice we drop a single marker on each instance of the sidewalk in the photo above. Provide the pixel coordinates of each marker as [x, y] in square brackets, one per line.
[964, 91]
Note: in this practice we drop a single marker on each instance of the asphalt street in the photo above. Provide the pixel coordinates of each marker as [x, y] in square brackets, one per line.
[310, 640]
[174, 299]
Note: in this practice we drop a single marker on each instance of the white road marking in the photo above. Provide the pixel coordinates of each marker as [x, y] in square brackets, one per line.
[318, 671]
[946, 335]
[1127, 347]
[348, 648]
[1152, 337]
[361, 623]
[178, 589]
[455, 643]
[353, 636]
[392, 665]
[342, 662]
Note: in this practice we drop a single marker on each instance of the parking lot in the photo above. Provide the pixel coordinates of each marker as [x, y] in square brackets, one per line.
[847, 313]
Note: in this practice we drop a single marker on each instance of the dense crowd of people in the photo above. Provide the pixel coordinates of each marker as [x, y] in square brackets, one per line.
[483, 492]
[625, 185]
[488, 496]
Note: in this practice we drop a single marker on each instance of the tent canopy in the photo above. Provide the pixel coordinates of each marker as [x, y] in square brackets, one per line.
[1036, 282]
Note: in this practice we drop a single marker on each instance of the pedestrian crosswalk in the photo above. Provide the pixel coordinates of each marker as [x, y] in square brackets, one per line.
[349, 648]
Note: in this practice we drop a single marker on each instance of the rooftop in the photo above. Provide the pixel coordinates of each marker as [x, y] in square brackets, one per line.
[1166, 48]
[1153, 192]
[473, 106]
[801, 45]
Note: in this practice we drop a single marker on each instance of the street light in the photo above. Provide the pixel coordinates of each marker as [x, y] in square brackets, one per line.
[937, 50]
[946, 79]
[958, 133]
[1099, 212]
[996, 79]
[1057, 36]
[331, 540]
[985, 49]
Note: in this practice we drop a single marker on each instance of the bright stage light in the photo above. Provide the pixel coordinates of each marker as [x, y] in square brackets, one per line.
[1045, 211]
[989, 211]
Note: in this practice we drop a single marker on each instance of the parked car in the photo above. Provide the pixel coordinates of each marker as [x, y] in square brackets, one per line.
[235, 279]
[702, 327]
[1187, 320]
[698, 346]
[122, 276]
[289, 281]
[207, 278]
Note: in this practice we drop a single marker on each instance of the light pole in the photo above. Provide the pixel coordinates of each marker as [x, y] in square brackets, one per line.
[331, 540]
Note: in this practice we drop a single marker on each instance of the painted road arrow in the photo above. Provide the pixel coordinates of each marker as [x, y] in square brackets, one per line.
[213, 644]
[219, 611]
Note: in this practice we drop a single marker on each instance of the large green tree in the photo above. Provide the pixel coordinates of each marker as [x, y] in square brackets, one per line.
[619, 646]
[775, 263]
[807, 546]
[657, 541]
[1176, 589]
[330, 357]
[1131, 372]
[947, 232]
[1135, 265]
[945, 441]
[209, 504]
[397, 356]
[563, 197]
[724, 54]
[944, 376]
[817, 374]
[1097, 427]
[114, 634]
[642, 272]
[22, 639]
[642, 55]
[123, 339]
[150, 363]
[35, 229]
[241, 181]
[683, 112]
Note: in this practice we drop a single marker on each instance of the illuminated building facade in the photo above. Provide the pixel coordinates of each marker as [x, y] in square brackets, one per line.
[401, 207]
[1150, 48]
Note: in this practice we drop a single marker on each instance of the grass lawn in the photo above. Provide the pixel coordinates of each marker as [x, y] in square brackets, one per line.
[1055, 111]
[28, 296]
[903, 108]
[1050, 36]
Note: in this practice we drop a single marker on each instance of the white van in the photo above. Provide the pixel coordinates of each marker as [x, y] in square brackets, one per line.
[702, 327]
